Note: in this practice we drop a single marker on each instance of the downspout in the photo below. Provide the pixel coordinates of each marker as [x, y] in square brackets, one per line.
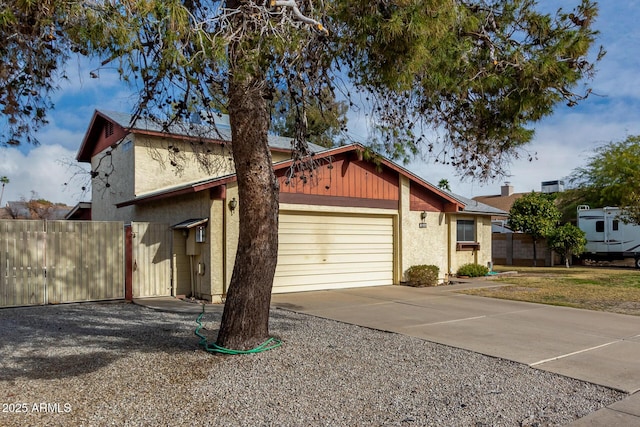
[191, 276]
[449, 245]
[224, 247]
[172, 263]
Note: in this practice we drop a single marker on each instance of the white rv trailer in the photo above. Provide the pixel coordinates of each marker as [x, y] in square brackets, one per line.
[608, 237]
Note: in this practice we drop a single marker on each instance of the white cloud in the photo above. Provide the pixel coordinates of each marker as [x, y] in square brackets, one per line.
[561, 144]
[41, 170]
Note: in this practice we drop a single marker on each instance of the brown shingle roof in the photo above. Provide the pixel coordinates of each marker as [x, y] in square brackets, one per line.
[501, 202]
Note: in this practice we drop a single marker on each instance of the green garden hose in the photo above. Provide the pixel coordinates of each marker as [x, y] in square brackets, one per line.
[269, 344]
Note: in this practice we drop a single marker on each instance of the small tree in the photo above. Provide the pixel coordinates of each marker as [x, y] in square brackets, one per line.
[567, 240]
[610, 178]
[534, 214]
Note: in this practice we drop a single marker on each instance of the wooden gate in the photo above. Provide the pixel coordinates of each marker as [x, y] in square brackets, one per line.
[50, 262]
[85, 261]
[151, 259]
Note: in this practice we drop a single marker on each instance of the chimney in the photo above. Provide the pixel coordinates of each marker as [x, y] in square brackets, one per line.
[506, 190]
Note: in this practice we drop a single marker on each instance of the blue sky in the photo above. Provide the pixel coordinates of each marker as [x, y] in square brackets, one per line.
[563, 141]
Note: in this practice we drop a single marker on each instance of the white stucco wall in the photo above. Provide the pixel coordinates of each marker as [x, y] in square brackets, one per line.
[119, 166]
[422, 245]
[154, 168]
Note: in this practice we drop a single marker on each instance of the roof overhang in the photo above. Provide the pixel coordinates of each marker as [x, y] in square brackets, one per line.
[178, 191]
[190, 223]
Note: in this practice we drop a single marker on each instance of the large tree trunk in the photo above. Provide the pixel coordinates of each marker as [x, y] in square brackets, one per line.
[245, 320]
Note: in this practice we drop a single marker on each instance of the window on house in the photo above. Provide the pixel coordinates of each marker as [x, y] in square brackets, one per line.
[615, 225]
[599, 226]
[466, 230]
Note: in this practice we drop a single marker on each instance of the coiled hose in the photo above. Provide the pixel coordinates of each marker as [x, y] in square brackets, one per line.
[269, 344]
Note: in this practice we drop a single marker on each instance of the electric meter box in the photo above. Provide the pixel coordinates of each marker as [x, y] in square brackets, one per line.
[200, 234]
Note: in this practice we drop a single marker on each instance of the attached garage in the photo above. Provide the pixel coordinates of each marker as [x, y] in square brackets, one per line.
[329, 251]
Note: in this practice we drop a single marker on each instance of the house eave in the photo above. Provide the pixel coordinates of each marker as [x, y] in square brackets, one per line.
[177, 191]
[190, 223]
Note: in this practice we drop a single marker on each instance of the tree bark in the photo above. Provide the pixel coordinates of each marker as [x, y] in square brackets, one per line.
[245, 320]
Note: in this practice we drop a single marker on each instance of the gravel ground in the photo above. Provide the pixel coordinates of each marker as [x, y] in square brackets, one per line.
[119, 364]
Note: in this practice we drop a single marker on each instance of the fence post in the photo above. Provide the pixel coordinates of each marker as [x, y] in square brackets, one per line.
[128, 263]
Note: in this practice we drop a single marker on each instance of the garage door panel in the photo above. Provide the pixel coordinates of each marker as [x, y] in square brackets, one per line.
[326, 247]
[344, 279]
[331, 251]
[326, 286]
[345, 267]
[310, 218]
[309, 239]
[332, 228]
[324, 260]
[292, 250]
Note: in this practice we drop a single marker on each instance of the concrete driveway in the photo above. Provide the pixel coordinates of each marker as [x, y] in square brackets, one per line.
[602, 348]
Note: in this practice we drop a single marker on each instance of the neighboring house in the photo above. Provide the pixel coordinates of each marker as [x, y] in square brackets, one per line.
[81, 211]
[503, 202]
[352, 223]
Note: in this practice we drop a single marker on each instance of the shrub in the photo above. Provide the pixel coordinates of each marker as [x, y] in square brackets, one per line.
[472, 270]
[422, 275]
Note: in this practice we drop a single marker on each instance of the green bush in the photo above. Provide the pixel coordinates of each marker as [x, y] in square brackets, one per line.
[422, 275]
[472, 270]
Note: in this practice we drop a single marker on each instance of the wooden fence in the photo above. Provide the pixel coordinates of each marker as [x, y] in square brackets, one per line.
[517, 249]
[51, 262]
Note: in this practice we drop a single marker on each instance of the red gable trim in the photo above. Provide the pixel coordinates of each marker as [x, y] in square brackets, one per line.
[95, 140]
[451, 204]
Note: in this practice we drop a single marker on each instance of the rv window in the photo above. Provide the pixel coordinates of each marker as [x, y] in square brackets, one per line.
[615, 225]
[600, 226]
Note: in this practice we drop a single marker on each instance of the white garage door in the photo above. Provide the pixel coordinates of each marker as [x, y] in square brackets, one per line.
[323, 251]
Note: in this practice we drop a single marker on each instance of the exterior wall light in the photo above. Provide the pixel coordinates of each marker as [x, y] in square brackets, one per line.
[233, 204]
[423, 217]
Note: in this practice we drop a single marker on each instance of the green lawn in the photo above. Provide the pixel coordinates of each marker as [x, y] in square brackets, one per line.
[615, 290]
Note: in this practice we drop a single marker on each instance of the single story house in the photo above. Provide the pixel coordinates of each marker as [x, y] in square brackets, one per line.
[352, 223]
